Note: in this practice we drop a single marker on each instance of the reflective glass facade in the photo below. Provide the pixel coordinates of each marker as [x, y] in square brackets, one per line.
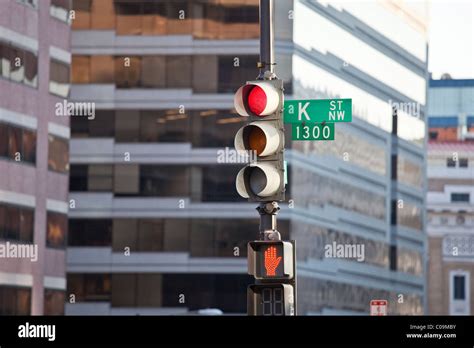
[198, 237]
[201, 73]
[350, 147]
[216, 127]
[162, 290]
[320, 295]
[311, 189]
[312, 241]
[211, 20]
[410, 172]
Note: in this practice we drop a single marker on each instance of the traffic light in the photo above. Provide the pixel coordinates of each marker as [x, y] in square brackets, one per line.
[272, 263]
[262, 138]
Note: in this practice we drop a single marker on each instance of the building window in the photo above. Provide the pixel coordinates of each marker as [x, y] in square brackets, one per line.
[459, 292]
[459, 286]
[59, 78]
[89, 287]
[223, 291]
[93, 232]
[16, 223]
[218, 184]
[60, 9]
[78, 178]
[463, 162]
[433, 135]
[56, 230]
[18, 64]
[450, 162]
[132, 290]
[54, 302]
[58, 154]
[460, 197]
[92, 178]
[230, 76]
[15, 301]
[409, 172]
[31, 3]
[217, 127]
[410, 216]
[17, 144]
[201, 73]
[198, 237]
[164, 181]
[211, 183]
[202, 19]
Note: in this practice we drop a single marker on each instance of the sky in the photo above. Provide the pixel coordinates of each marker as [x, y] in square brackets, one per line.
[451, 38]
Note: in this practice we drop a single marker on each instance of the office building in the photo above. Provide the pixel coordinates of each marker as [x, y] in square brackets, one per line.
[34, 158]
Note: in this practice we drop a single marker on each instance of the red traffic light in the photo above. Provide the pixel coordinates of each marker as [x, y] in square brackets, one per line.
[259, 98]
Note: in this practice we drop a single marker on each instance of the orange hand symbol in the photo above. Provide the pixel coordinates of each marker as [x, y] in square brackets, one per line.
[271, 260]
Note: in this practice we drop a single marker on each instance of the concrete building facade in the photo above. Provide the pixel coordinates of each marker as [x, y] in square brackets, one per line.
[450, 197]
[34, 76]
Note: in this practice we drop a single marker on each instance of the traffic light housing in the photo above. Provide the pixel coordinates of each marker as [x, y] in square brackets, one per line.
[262, 102]
[271, 299]
[272, 263]
[271, 260]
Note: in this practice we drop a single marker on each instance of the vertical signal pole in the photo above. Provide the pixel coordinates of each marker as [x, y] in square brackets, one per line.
[270, 260]
[267, 58]
[268, 211]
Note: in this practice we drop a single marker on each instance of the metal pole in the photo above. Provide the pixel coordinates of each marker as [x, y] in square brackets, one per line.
[267, 210]
[268, 221]
[267, 59]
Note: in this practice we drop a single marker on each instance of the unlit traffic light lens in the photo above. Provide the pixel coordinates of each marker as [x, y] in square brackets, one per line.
[257, 140]
[257, 100]
[258, 180]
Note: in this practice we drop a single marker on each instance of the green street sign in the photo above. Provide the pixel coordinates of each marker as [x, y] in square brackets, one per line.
[317, 110]
[312, 131]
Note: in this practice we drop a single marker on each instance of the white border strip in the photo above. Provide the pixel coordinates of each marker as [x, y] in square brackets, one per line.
[59, 130]
[18, 39]
[18, 119]
[56, 206]
[55, 283]
[16, 279]
[60, 54]
[17, 199]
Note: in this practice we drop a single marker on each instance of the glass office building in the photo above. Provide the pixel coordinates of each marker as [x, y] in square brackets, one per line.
[157, 225]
